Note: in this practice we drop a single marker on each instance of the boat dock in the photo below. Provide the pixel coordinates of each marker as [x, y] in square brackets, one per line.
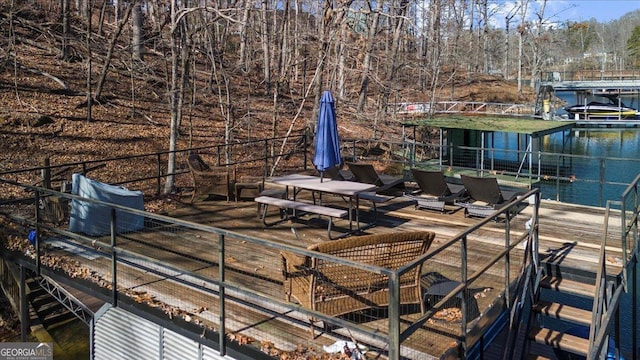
[584, 91]
[177, 258]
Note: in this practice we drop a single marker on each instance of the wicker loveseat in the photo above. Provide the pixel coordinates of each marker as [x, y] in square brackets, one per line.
[336, 289]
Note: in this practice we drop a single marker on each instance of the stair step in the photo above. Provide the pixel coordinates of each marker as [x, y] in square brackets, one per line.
[559, 340]
[52, 319]
[568, 286]
[564, 312]
[537, 357]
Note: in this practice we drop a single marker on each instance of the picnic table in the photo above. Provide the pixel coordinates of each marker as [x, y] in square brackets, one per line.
[294, 183]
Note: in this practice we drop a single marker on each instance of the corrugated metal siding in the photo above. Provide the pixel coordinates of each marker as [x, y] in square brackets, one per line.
[210, 354]
[178, 347]
[120, 335]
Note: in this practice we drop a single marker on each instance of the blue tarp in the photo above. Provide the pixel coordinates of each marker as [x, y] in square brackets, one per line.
[95, 219]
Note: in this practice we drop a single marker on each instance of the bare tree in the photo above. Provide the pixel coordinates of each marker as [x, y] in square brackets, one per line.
[392, 60]
[368, 53]
[112, 45]
[175, 35]
[266, 46]
[244, 28]
[65, 30]
[538, 44]
[136, 22]
[522, 30]
[507, 50]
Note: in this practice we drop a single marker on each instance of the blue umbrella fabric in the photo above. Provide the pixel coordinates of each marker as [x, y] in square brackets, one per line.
[327, 142]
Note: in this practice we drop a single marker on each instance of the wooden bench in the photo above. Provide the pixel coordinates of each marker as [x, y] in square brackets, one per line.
[337, 289]
[298, 206]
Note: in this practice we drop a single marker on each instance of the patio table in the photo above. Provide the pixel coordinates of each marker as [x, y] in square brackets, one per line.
[349, 189]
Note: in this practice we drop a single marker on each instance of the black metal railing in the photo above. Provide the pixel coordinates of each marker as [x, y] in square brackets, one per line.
[216, 291]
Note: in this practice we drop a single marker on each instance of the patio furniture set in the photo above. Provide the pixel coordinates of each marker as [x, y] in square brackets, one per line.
[337, 289]
[478, 196]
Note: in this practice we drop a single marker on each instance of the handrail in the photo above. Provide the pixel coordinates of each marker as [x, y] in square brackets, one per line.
[602, 302]
[527, 288]
[217, 287]
[261, 158]
[609, 291]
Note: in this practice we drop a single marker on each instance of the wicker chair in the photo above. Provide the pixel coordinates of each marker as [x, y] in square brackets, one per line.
[336, 289]
[210, 180]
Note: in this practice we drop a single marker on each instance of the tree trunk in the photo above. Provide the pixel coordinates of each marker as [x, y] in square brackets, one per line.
[266, 54]
[65, 30]
[392, 64]
[366, 62]
[136, 41]
[173, 101]
[521, 31]
[242, 58]
[342, 60]
[107, 62]
[325, 20]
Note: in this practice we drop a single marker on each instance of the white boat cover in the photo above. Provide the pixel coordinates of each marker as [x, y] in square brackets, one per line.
[95, 219]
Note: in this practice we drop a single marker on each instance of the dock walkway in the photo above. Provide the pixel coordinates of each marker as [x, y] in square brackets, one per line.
[569, 236]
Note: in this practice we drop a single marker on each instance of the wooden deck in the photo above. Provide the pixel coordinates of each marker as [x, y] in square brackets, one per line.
[569, 235]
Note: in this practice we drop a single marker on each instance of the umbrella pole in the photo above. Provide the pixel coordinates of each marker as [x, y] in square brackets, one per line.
[320, 194]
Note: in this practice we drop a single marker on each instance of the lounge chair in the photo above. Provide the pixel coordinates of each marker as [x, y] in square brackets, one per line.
[386, 184]
[485, 196]
[210, 180]
[434, 192]
[334, 173]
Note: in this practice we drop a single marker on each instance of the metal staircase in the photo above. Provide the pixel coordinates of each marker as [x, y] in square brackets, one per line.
[566, 312]
[50, 301]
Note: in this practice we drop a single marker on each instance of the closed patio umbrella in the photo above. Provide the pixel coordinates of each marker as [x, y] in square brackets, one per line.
[327, 142]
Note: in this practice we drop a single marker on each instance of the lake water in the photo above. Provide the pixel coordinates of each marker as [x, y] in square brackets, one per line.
[609, 156]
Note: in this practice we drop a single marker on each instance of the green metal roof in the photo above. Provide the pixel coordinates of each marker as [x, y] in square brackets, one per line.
[533, 127]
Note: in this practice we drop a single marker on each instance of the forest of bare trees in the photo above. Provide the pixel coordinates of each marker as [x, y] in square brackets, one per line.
[369, 53]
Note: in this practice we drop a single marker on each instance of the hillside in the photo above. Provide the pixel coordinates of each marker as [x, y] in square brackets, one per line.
[44, 103]
[44, 111]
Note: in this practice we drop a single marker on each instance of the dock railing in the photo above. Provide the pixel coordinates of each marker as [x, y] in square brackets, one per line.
[559, 176]
[127, 265]
[611, 287]
[252, 157]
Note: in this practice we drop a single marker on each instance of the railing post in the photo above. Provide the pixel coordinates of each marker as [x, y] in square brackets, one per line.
[602, 181]
[558, 180]
[507, 258]
[159, 174]
[394, 316]
[463, 303]
[36, 243]
[305, 150]
[353, 151]
[114, 259]
[46, 174]
[266, 157]
[24, 309]
[221, 298]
